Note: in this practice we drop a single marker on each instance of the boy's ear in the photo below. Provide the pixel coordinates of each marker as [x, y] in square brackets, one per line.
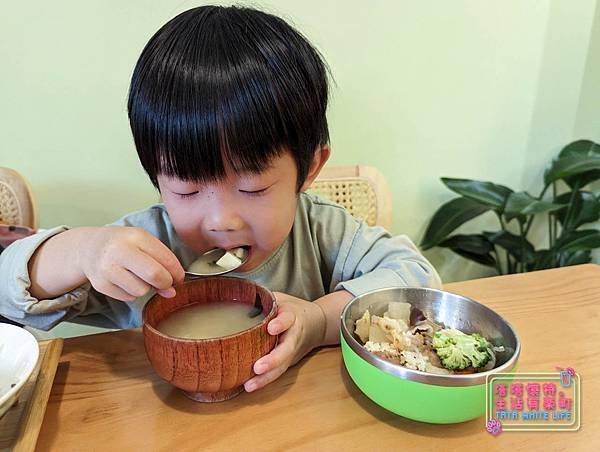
[320, 158]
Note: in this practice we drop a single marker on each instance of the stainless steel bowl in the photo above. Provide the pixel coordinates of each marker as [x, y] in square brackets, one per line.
[453, 311]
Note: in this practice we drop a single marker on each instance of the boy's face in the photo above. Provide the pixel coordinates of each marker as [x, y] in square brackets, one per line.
[255, 210]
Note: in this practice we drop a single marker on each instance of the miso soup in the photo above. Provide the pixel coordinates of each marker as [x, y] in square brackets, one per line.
[209, 320]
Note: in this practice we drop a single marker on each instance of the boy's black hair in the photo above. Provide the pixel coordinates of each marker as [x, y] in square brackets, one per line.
[226, 84]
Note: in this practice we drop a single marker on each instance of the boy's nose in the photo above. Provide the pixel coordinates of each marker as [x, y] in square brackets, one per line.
[222, 219]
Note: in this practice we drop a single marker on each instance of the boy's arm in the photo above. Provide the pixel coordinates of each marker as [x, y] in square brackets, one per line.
[41, 282]
[367, 259]
[53, 268]
[16, 302]
[332, 305]
[121, 262]
[374, 259]
[360, 258]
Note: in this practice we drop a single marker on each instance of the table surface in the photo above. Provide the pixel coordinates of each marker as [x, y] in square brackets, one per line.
[106, 396]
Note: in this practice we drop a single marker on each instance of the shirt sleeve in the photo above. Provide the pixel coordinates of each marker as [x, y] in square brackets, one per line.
[17, 303]
[361, 258]
[374, 259]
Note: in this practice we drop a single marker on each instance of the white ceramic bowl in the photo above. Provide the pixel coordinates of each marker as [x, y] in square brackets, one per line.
[19, 352]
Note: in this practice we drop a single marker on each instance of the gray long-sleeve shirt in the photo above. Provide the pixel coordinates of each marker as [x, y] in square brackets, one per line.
[326, 250]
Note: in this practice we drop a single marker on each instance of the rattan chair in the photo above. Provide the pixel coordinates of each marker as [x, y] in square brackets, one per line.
[362, 190]
[17, 205]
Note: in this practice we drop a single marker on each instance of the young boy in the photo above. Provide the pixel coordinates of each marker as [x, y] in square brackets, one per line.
[227, 109]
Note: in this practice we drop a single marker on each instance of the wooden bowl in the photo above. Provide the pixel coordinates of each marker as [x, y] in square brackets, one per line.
[208, 370]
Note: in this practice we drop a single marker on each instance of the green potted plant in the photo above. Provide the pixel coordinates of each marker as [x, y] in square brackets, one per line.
[564, 203]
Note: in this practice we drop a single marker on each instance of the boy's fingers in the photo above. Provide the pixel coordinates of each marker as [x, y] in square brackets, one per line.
[136, 287]
[262, 380]
[281, 323]
[167, 293]
[161, 253]
[149, 270]
[280, 356]
[113, 291]
[130, 283]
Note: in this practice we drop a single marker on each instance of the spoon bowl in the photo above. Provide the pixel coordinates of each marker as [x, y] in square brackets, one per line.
[206, 265]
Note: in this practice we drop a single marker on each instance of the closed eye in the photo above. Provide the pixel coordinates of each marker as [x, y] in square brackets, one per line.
[254, 192]
[187, 195]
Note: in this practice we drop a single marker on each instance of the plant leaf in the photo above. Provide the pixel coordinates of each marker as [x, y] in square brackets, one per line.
[521, 203]
[576, 258]
[475, 247]
[513, 244]
[483, 259]
[449, 217]
[584, 240]
[575, 160]
[542, 260]
[473, 243]
[581, 148]
[584, 209]
[487, 193]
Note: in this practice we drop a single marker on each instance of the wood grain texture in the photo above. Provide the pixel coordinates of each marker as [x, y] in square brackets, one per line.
[208, 370]
[107, 397]
[20, 426]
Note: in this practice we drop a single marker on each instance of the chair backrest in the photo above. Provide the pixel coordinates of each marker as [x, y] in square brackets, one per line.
[362, 190]
[17, 205]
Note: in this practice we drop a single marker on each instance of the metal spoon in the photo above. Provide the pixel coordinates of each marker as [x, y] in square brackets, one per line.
[209, 260]
[258, 307]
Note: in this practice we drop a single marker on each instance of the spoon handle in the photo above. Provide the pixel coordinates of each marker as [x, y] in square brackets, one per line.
[257, 309]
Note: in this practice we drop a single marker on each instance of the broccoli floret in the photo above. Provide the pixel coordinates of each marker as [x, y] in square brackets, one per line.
[458, 350]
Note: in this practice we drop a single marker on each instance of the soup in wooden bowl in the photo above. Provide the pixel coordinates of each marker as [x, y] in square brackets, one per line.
[206, 339]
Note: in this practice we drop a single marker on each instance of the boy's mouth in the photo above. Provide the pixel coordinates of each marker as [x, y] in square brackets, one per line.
[241, 251]
[233, 249]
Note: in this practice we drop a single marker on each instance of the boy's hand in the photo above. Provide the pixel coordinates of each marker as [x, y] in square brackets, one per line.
[301, 325]
[125, 262]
